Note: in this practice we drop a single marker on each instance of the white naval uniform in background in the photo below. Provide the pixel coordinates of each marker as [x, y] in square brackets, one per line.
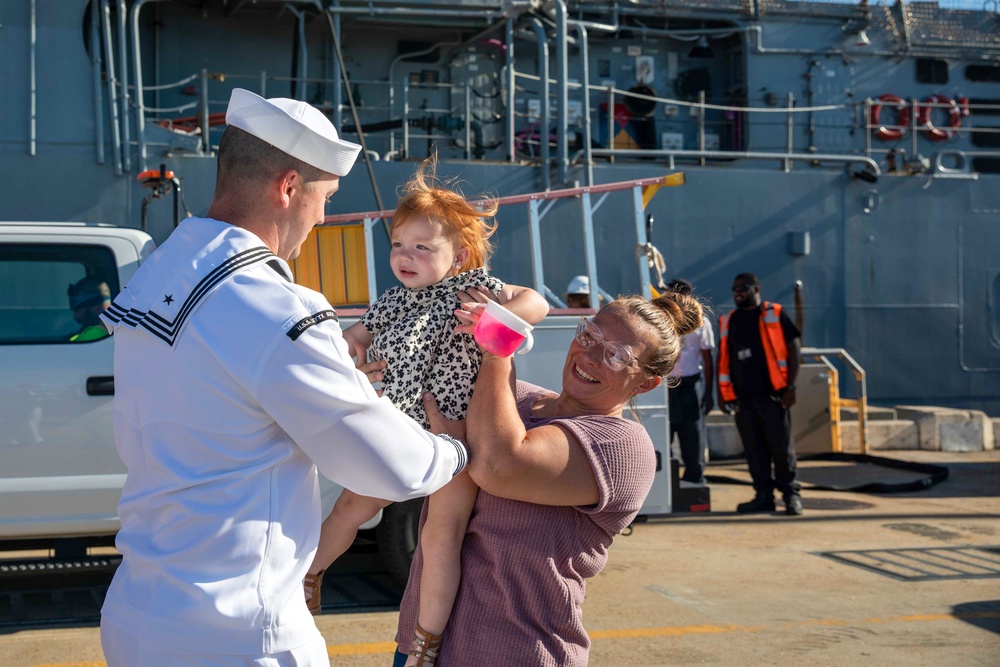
[231, 382]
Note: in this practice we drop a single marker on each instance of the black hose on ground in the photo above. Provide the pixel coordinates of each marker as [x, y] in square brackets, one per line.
[935, 474]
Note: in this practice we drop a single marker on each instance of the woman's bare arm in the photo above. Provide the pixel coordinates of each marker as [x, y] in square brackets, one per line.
[546, 465]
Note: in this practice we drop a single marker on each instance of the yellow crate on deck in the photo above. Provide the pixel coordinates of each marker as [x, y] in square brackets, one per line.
[332, 261]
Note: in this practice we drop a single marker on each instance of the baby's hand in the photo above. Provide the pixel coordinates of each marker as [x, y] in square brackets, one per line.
[371, 369]
[473, 301]
[469, 315]
[479, 294]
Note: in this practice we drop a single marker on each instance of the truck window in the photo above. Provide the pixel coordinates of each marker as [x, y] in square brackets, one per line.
[53, 293]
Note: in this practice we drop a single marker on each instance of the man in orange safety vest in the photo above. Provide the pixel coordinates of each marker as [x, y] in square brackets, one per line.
[758, 363]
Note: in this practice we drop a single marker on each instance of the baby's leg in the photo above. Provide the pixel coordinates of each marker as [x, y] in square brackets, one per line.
[441, 539]
[341, 527]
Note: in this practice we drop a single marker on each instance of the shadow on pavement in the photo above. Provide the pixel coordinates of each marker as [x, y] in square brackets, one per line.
[984, 614]
[965, 479]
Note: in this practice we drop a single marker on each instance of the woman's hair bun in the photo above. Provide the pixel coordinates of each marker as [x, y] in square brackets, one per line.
[684, 310]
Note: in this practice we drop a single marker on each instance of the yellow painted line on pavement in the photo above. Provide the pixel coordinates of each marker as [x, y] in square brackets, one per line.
[632, 633]
[362, 649]
[680, 631]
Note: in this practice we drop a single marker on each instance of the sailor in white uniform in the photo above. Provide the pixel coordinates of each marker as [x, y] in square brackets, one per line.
[233, 384]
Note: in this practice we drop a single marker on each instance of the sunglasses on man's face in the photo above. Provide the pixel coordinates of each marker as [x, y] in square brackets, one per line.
[740, 289]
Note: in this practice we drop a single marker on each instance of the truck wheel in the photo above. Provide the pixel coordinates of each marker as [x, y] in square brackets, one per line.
[397, 537]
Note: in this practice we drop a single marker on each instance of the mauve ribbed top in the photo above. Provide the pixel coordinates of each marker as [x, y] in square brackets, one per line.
[524, 565]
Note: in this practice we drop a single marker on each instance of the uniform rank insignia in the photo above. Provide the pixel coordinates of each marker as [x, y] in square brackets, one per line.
[307, 322]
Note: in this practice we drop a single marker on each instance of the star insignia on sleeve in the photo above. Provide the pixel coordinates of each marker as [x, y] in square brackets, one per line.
[168, 299]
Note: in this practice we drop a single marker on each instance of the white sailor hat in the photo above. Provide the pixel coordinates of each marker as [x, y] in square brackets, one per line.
[295, 127]
[579, 285]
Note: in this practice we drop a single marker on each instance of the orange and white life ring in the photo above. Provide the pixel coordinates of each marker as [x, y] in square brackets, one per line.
[956, 112]
[891, 133]
[192, 123]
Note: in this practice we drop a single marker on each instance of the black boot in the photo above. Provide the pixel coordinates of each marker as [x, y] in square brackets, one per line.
[758, 504]
[793, 505]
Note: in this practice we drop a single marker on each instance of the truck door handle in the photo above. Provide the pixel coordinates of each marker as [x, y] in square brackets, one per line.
[101, 385]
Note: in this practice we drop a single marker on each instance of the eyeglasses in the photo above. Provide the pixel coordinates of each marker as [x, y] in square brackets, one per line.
[739, 289]
[616, 355]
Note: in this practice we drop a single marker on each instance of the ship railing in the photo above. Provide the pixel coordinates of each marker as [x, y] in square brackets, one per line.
[206, 112]
[903, 153]
[459, 118]
[532, 134]
[860, 403]
[405, 125]
[329, 261]
[944, 161]
[530, 141]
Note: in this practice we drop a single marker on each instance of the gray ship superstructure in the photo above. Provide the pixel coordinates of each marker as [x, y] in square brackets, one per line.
[847, 153]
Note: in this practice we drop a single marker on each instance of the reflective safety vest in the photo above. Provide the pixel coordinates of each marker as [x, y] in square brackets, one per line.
[92, 332]
[775, 350]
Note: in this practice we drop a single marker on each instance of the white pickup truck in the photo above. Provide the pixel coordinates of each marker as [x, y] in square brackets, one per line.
[60, 475]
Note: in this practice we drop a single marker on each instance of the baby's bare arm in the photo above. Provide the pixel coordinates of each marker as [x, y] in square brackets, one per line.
[524, 302]
[357, 337]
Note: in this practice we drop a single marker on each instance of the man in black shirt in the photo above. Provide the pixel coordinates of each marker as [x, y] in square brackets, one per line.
[758, 364]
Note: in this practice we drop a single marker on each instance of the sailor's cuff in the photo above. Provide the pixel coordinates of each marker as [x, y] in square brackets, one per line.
[461, 451]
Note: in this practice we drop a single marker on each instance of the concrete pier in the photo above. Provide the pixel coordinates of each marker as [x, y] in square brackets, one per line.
[889, 428]
[860, 579]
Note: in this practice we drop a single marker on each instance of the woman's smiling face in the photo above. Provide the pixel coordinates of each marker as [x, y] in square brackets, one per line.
[589, 380]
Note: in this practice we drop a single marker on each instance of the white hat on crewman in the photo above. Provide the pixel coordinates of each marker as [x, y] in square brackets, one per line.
[579, 285]
[295, 127]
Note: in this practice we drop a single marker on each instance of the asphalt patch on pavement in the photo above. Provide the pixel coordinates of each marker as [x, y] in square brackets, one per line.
[813, 503]
[925, 530]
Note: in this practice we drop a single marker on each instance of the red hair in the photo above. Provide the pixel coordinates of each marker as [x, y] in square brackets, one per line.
[469, 224]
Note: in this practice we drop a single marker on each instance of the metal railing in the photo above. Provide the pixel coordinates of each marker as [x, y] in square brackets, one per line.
[539, 204]
[916, 122]
[822, 354]
[533, 131]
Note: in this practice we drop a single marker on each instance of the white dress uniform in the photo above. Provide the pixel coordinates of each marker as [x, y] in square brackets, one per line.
[233, 385]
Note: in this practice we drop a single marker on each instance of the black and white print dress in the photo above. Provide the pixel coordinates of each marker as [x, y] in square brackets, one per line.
[414, 331]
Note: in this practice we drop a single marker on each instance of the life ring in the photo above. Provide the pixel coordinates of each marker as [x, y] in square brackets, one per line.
[902, 122]
[955, 115]
[192, 123]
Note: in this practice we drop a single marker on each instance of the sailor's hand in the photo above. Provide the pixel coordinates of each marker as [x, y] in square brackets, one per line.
[371, 369]
[439, 423]
[707, 403]
[729, 407]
